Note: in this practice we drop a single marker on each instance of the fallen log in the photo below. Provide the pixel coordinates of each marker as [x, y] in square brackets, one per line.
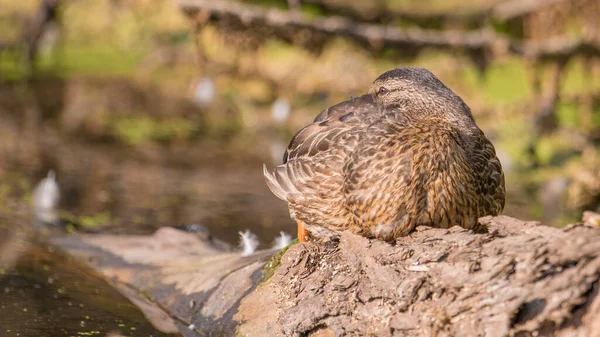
[520, 279]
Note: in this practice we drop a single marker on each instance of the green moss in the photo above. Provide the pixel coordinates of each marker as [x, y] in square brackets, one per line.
[97, 220]
[275, 261]
[86, 221]
[271, 3]
[12, 67]
[90, 60]
[138, 130]
[312, 10]
[134, 130]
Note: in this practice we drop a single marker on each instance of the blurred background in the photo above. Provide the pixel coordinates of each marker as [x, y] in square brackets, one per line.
[154, 113]
[160, 113]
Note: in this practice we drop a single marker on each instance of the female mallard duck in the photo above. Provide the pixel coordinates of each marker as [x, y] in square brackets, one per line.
[407, 153]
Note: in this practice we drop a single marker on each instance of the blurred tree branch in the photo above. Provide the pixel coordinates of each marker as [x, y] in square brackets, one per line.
[511, 9]
[496, 10]
[378, 36]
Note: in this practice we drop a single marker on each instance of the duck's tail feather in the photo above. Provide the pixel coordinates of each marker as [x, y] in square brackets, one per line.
[274, 184]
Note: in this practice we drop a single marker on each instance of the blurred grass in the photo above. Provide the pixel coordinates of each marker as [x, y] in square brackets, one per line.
[90, 60]
[138, 130]
[503, 83]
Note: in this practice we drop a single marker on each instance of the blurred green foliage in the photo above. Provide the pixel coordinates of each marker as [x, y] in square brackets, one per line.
[133, 131]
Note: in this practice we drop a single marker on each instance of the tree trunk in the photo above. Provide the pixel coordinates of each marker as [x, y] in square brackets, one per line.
[520, 278]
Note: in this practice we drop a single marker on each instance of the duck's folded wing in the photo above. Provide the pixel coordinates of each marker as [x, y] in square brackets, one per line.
[316, 152]
[316, 162]
[348, 114]
[312, 183]
[311, 177]
[490, 186]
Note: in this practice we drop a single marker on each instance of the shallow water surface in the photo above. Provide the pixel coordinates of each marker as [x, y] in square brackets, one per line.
[45, 293]
[108, 184]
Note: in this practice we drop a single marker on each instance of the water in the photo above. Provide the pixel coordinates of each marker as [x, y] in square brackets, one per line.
[45, 293]
[108, 185]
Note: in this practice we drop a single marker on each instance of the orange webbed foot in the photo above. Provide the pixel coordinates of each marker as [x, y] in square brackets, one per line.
[303, 235]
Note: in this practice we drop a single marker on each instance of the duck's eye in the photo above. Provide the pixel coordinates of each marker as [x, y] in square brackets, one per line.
[382, 91]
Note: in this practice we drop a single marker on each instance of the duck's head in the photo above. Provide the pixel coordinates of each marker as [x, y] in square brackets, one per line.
[418, 92]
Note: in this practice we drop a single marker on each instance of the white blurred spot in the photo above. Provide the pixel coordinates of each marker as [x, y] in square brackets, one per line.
[46, 196]
[277, 148]
[205, 91]
[505, 160]
[49, 38]
[280, 111]
[191, 327]
[248, 242]
[282, 241]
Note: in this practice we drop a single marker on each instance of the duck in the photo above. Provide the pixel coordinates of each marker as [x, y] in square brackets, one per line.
[407, 153]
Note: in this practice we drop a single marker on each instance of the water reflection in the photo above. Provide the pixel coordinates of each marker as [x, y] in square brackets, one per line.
[133, 188]
[46, 294]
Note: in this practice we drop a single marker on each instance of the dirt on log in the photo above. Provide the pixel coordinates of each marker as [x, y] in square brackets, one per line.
[520, 279]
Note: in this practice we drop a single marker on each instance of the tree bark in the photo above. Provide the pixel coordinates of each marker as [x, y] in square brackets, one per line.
[519, 279]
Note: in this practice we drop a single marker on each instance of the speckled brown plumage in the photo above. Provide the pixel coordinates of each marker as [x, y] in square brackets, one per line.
[407, 153]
